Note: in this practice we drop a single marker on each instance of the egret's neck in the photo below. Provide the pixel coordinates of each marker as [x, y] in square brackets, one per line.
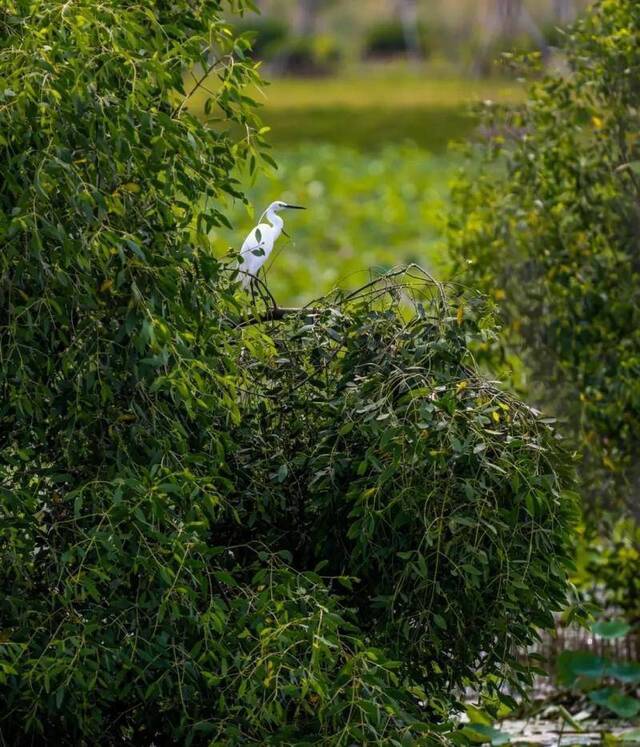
[275, 220]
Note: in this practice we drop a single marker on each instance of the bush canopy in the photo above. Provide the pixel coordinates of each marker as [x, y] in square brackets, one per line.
[548, 226]
[216, 528]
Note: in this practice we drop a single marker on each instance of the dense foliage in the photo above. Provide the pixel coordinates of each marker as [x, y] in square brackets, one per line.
[549, 227]
[607, 566]
[215, 530]
[115, 385]
[389, 459]
[389, 38]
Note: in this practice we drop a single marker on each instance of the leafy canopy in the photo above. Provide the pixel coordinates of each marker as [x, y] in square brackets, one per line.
[212, 530]
[548, 226]
[388, 458]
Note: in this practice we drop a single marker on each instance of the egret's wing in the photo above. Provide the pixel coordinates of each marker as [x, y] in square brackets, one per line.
[253, 253]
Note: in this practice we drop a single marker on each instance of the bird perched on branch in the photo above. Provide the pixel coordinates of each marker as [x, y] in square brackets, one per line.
[259, 243]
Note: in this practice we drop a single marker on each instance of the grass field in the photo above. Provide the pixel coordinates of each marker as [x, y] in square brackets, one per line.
[366, 110]
[389, 86]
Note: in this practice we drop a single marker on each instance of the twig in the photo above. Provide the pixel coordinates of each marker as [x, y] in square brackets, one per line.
[277, 314]
[198, 84]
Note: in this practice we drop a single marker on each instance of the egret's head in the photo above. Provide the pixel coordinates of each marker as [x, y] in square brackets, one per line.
[278, 205]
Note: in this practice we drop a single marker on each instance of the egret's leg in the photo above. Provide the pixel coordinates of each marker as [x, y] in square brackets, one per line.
[252, 287]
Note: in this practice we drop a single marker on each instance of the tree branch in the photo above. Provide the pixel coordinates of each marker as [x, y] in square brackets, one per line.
[198, 84]
[277, 314]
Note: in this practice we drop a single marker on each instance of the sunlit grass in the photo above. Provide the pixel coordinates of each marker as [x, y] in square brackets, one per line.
[366, 110]
[385, 88]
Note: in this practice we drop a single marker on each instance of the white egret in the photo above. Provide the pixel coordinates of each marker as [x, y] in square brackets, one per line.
[259, 243]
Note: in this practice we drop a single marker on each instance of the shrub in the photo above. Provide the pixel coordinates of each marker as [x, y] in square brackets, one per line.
[308, 55]
[389, 459]
[266, 35]
[389, 38]
[548, 226]
[607, 566]
[188, 496]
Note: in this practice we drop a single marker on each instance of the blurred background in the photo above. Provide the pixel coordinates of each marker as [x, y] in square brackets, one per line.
[363, 100]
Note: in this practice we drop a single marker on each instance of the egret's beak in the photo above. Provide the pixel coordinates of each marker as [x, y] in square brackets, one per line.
[295, 207]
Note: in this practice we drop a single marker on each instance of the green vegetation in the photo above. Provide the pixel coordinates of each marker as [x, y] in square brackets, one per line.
[265, 34]
[308, 55]
[430, 129]
[545, 221]
[366, 109]
[607, 683]
[225, 524]
[550, 229]
[391, 461]
[389, 38]
[607, 563]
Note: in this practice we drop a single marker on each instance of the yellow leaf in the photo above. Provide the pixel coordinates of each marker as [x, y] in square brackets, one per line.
[460, 314]
[130, 187]
[499, 294]
[597, 123]
[496, 416]
[106, 285]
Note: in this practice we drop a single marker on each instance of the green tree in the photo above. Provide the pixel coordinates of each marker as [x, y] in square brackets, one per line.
[217, 527]
[116, 380]
[549, 227]
[389, 459]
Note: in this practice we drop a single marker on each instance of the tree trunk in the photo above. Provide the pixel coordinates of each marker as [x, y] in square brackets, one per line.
[307, 17]
[408, 12]
[509, 15]
[564, 11]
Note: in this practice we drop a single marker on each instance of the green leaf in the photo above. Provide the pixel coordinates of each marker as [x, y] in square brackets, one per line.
[616, 701]
[226, 578]
[633, 735]
[611, 629]
[571, 665]
[481, 734]
[627, 672]
[282, 473]
[477, 716]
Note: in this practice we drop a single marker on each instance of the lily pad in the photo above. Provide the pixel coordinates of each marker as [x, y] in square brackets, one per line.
[627, 672]
[611, 628]
[622, 705]
[629, 736]
[573, 664]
